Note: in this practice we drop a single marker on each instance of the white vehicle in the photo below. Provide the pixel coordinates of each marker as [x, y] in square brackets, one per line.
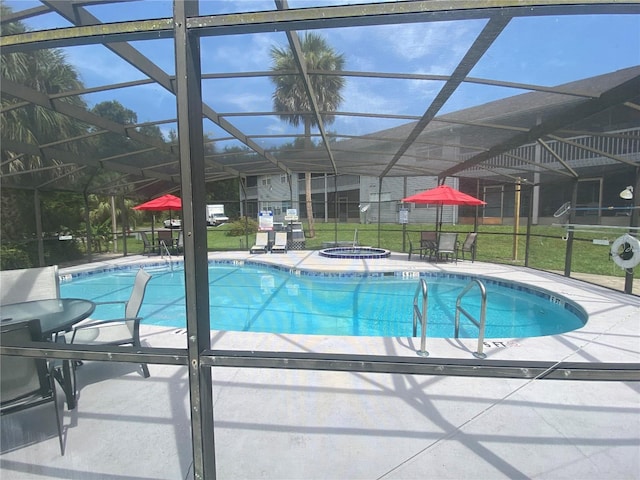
[215, 215]
[173, 223]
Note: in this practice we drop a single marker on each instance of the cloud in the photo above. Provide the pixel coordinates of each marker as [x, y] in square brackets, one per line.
[239, 53]
[99, 66]
[247, 102]
[441, 43]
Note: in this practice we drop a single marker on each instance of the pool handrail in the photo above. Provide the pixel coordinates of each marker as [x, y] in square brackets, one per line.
[424, 289]
[483, 315]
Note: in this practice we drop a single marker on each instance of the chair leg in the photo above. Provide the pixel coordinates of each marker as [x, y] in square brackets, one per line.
[65, 374]
[52, 383]
[136, 343]
[69, 377]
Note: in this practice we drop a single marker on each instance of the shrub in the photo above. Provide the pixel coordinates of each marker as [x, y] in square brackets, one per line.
[243, 226]
[12, 258]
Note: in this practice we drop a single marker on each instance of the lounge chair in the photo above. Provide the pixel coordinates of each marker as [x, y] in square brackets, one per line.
[26, 382]
[469, 245]
[447, 246]
[280, 243]
[262, 243]
[119, 331]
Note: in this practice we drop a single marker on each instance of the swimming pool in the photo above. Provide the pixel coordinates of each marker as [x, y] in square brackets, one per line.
[251, 297]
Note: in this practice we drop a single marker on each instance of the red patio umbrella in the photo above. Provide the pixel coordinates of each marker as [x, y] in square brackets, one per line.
[160, 204]
[443, 195]
[165, 202]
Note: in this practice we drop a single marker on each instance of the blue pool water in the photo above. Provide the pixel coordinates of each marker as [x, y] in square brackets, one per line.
[266, 299]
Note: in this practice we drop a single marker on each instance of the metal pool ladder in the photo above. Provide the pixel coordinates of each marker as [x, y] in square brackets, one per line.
[164, 249]
[483, 314]
[424, 290]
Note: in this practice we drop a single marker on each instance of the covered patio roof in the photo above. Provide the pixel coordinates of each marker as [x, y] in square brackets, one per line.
[448, 130]
[404, 113]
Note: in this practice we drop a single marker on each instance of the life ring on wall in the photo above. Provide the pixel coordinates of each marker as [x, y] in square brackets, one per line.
[625, 251]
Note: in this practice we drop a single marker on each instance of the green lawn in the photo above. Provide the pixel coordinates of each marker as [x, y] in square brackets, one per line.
[547, 246]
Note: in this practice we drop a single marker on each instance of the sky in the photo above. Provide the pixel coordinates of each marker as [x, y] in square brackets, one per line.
[536, 50]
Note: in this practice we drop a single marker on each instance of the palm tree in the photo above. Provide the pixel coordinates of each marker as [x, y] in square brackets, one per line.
[290, 94]
[46, 71]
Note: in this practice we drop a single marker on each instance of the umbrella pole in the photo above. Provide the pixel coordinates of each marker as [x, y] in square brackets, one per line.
[153, 240]
[171, 225]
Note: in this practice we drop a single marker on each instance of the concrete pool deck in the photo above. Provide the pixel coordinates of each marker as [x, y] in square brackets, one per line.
[332, 425]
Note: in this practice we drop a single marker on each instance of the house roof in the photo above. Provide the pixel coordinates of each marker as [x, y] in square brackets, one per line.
[478, 141]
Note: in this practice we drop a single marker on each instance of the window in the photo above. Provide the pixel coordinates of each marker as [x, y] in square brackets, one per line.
[384, 197]
[266, 181]
[283, 178]
[252, 181]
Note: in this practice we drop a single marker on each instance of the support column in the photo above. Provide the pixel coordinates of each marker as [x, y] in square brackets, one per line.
[190, 137]
[124, 216]
[516, 219]
[87, 219]
[572, 215]
[633, 222]
[531, 191]
[379, 207]
[38, 214]
[114, 224]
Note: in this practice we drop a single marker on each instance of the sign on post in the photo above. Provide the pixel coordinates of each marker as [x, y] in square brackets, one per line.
[265, 220]
[292, 215]
[403, 215]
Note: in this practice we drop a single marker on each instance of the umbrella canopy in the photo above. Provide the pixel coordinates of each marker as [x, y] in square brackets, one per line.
[166, 202]
[443, 195]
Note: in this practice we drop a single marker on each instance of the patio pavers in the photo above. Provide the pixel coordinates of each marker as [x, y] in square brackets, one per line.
[303, 424]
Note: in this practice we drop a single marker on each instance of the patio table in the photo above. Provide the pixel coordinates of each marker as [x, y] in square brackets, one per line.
[55, 315]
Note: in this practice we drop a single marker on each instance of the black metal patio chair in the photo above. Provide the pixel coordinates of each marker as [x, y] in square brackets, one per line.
[469, 245]
[26, 382]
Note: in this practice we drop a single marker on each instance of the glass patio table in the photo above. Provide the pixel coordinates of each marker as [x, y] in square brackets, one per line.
[55, 315]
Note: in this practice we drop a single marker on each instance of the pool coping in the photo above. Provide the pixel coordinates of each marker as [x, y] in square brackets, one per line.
[611, 334]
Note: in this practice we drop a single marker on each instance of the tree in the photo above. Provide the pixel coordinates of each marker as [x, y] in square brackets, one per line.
[291, 96]
[45, 71]
[110, 143]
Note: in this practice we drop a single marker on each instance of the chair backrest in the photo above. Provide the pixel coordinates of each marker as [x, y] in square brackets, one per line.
[428, 236]
[181, 239]
[22, 377]
[164, 235]
[137, 294]
[281, 238]
[469, 241]
[447, 242]
[29, 284]
[262, 238]
[145, 239]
